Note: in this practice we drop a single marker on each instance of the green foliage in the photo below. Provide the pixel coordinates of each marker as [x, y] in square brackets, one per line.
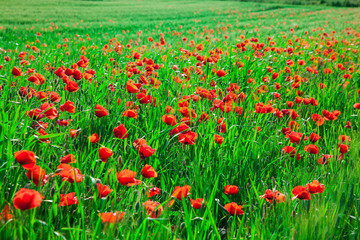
[335, 3]
[247, 158]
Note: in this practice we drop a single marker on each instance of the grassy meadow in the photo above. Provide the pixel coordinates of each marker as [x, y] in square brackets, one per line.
[178, 120]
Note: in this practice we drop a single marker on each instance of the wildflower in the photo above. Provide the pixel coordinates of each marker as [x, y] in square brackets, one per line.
[68, 199]
[26, 158]
[153, 209]
[197, 203]
[110, 217]
[37, 175]
[105, 153]
[27, 199]
[181, 192]
[103, 190]
[100, 111]
[148, 172]
[120, 132]
[269, 196]
[94, 138]
[231, 189]
[315, 187]
[70, 158]
[301, 192]
[234, 209]
[127, 177]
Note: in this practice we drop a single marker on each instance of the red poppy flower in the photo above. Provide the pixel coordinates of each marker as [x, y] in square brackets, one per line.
[343, 148]
[181, 192]
[328, 71]
[269, 196]
[300, 192]
[344, 138]
[357, 105]
[120, 132]
[37, 79]
[63, 122]
[16, 71]
[298, 100]
[218, 139]
[74, 133]
[318, 119]
[5, 214]
[292, 151]
[77, 75]
[197, 203]
[188, 137]
[37, 175]
[314, 102]
[138, 143]
[275, 75]
[41, 95]
[94, 138]
[290, 104]
[186, 112]
[314, 137]
[315, 187]
[306, 101]
[131, 87]
[26, 158]
[70, 158]
[68, 106]
[27, 199]
[293, 114]
[153, 209]
[286, 131]
[71, 86]
[103, 190]
[69, 173]
[143, 98]
[68, 199]
[110, 217]
[203, 117]
[325, 159]
[179, 129]
[234, 209]
[105, 153]
[154, 191]
[100, 111]
[59, 72]
[146, 151]
[127, 177]
[295, 137]
[222, 125]
[35, 114]
[231, 189]
[169, 120]
[148, 172]
[262, 108]
[49, 111]
[27, 92]
[42, 133]
[220, 73]
[55, 97]
[169, 109]
[331, 115]
[130, 113]
[311, 148]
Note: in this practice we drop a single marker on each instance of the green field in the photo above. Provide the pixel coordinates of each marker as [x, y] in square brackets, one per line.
[223, 91]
